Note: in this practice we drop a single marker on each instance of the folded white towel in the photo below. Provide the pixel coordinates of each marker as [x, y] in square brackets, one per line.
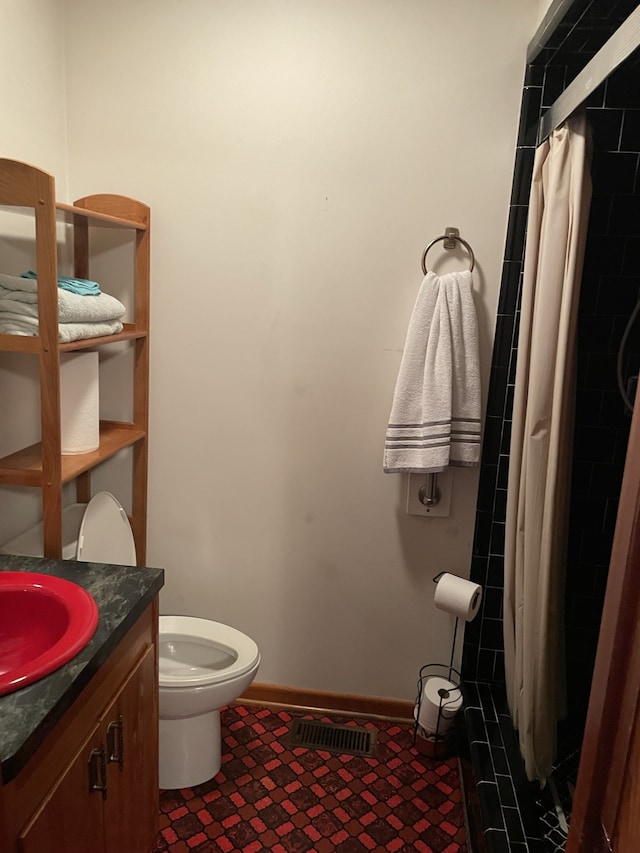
[20, 296]
[435, 415]
[19, 324]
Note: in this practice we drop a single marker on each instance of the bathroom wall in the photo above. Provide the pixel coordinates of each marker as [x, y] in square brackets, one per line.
[297, 157]
[32, 95]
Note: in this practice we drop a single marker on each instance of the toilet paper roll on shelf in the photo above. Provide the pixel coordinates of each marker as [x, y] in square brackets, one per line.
[457, 596]
[440, 701]
[79, 402]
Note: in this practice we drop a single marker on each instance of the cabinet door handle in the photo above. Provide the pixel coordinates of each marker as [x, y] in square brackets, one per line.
[115, 742]
[98, 771]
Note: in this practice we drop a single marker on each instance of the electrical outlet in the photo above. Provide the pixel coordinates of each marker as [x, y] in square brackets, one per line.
[415, 506]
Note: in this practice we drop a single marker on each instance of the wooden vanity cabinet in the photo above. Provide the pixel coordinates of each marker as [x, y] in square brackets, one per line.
[93, 784]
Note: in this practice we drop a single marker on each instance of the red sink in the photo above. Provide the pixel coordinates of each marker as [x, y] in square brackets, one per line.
[44, 622]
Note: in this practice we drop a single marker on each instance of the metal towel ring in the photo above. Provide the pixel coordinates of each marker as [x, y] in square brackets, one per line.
[472, 259]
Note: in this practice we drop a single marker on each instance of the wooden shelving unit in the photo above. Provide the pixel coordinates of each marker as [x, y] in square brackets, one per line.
[27, 189]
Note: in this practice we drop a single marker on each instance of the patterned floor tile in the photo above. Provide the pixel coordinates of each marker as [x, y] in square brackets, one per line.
[268, 797]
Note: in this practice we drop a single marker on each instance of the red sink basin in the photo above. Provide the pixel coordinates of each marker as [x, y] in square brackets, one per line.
[44, 622]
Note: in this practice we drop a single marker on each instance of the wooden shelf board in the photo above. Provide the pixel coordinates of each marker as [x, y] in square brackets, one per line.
[127, 334]
[24, 468]
[19, 343]
[68, 211]
[22, 343]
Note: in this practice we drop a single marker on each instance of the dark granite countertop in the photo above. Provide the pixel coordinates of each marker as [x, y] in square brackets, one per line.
[122, 594]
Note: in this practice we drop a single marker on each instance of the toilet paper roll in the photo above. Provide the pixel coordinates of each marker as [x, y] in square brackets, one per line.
[458, 596]
[441, 699]
[79, 402]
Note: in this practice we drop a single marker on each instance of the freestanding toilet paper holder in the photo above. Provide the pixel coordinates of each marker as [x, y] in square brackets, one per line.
[433, 742]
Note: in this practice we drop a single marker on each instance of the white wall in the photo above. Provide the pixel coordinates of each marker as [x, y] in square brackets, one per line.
[297, 157]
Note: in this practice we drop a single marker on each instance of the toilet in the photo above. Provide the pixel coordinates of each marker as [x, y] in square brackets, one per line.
[203, 664]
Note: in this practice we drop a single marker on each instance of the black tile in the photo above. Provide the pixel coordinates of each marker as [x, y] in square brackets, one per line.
[491, 448]
[631, 259]
[513, 824]
[523, 171]
[474, 721]
[472, 633]
[605, 255]
[508, 403]
[494, 736]
[497, 538]
[599, 215]
[623, 89]
[471, 695]
[479, 570]
[625, 212]
[496, 841]
[509, 287]
[503, 340]
[486, 664]
[516, 231]
[601, 372]
[507, 794]
[492, 602]
[529, 115]
[498, 670]
[553, 85]
[605, 481]
[486, 697]
[505, 440]
[606, 126]
[617, 296]
[630, 140]
[594, 333]
[482, 763]
[482, 535]
[495, 570]
[490, 805]
[614, 172]
[598, 98]
[492, 634]
[594, 444]
[503, 472]
[534, 75]
[536, 845]
[500, 761]
[497, 391]
[500, 505]
[487, 487]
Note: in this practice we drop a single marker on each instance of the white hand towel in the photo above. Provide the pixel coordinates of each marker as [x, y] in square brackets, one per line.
[435, 415]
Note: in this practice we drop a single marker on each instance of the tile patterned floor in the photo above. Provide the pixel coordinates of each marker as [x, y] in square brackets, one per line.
[268, 797]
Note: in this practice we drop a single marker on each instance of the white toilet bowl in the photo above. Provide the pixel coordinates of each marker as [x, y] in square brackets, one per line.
[203, 666]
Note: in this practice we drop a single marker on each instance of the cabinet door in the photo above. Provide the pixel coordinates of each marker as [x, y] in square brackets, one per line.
[130, 733]
[70, 817]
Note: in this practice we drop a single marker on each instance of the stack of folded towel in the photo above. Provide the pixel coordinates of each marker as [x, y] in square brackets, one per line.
[83, 310]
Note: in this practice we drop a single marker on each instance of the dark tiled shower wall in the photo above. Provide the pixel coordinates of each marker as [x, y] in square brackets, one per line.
[610, 289]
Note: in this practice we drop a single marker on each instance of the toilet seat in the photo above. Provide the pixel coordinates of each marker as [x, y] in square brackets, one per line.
[199, 652]
[105, 533]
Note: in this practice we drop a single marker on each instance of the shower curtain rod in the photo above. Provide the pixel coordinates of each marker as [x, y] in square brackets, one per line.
[619, 47]
[553, 18]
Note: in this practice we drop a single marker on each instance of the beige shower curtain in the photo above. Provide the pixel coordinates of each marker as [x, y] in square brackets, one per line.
[541, 443]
